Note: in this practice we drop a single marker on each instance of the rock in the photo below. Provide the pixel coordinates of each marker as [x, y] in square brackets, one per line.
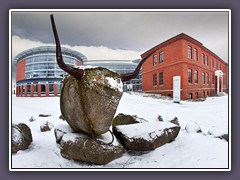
[89, 104]
[193, 127]
[160, 118]
[61, 117]
[44, 115]
[175, 121]
[122, 119]
[146, 136]
[31, 119]
[46, 126]
[219, 134]
[82, 147]
[21, 137]
[60, 130]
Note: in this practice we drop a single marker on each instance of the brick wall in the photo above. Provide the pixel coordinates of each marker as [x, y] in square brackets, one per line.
[20, 72]
[177, 63]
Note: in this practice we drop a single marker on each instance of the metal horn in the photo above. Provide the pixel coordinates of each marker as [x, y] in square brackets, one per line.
[75, 72]
[132, 75]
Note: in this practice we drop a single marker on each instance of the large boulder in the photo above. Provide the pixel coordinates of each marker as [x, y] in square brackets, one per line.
[122, 119]
[146, 136]
[21, 137]
[89, 104]
[82, 147]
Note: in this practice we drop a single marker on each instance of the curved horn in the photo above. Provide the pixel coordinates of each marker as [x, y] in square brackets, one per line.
[132, 75]
[75, 72]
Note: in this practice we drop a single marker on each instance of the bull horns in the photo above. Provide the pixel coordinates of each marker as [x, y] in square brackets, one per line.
[75, 72]
[132, 75]
[78, 73]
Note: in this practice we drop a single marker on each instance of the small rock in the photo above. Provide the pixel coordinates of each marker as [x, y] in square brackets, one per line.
[193, 127]
[160, 118]
[219, 134]
[61, 117]
[21, 137]
[44, 115]
[46, 126]
[31, 119]
[175, 121]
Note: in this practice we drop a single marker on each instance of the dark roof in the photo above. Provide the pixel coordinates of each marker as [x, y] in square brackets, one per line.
[175, 38]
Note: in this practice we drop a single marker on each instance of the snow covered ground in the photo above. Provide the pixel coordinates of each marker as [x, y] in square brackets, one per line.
[189, 150]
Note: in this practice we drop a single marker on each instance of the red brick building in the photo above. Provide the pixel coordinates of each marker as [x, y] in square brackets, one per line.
[185, 57]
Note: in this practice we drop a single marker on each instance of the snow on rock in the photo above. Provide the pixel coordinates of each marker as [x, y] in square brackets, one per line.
[82, 147]
[146, 136]
[46, 126]
[122, 119]
[218, 133]
[60, 130]
[21, 137]
[193, 127]
[114, 84]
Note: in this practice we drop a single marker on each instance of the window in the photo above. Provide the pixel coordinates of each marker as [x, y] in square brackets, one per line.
[161, 78]
[206, 60]
[190, 96]
[190, 75]
[213, 78]
[207, 79]
[154, 60]
[212, 63]
[196, 77]
[203, 59]
[217, 65]
[189, 52]
[195, 55]
[203, 78]
[154, 79]
[196, 95]
[161, 57]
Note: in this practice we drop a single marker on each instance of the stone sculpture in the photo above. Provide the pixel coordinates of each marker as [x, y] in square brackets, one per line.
[89, 97]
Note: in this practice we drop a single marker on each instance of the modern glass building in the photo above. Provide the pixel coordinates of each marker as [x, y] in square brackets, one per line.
[121, 67]
[38, 73]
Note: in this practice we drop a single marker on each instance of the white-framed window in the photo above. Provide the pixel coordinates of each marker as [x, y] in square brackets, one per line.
[203, 78]
[189, 52]
[154, 59]
[207, 78]
[195, 55]
[189, 75]
[154, 79]
[195, 76]
[161, 57]
[203, 59]
[161, 78]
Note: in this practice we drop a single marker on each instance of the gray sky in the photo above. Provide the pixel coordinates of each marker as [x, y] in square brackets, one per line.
[114, 32]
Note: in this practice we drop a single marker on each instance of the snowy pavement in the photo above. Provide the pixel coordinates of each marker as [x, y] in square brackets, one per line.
[187, 151]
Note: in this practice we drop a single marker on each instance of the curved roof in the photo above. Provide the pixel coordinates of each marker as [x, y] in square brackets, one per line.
[42, 49]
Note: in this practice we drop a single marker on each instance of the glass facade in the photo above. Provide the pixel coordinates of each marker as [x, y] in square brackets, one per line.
[42, 75]
[45, 66]
[121, 67]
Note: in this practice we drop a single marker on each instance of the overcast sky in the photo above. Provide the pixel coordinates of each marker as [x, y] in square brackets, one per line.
[118, 35]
